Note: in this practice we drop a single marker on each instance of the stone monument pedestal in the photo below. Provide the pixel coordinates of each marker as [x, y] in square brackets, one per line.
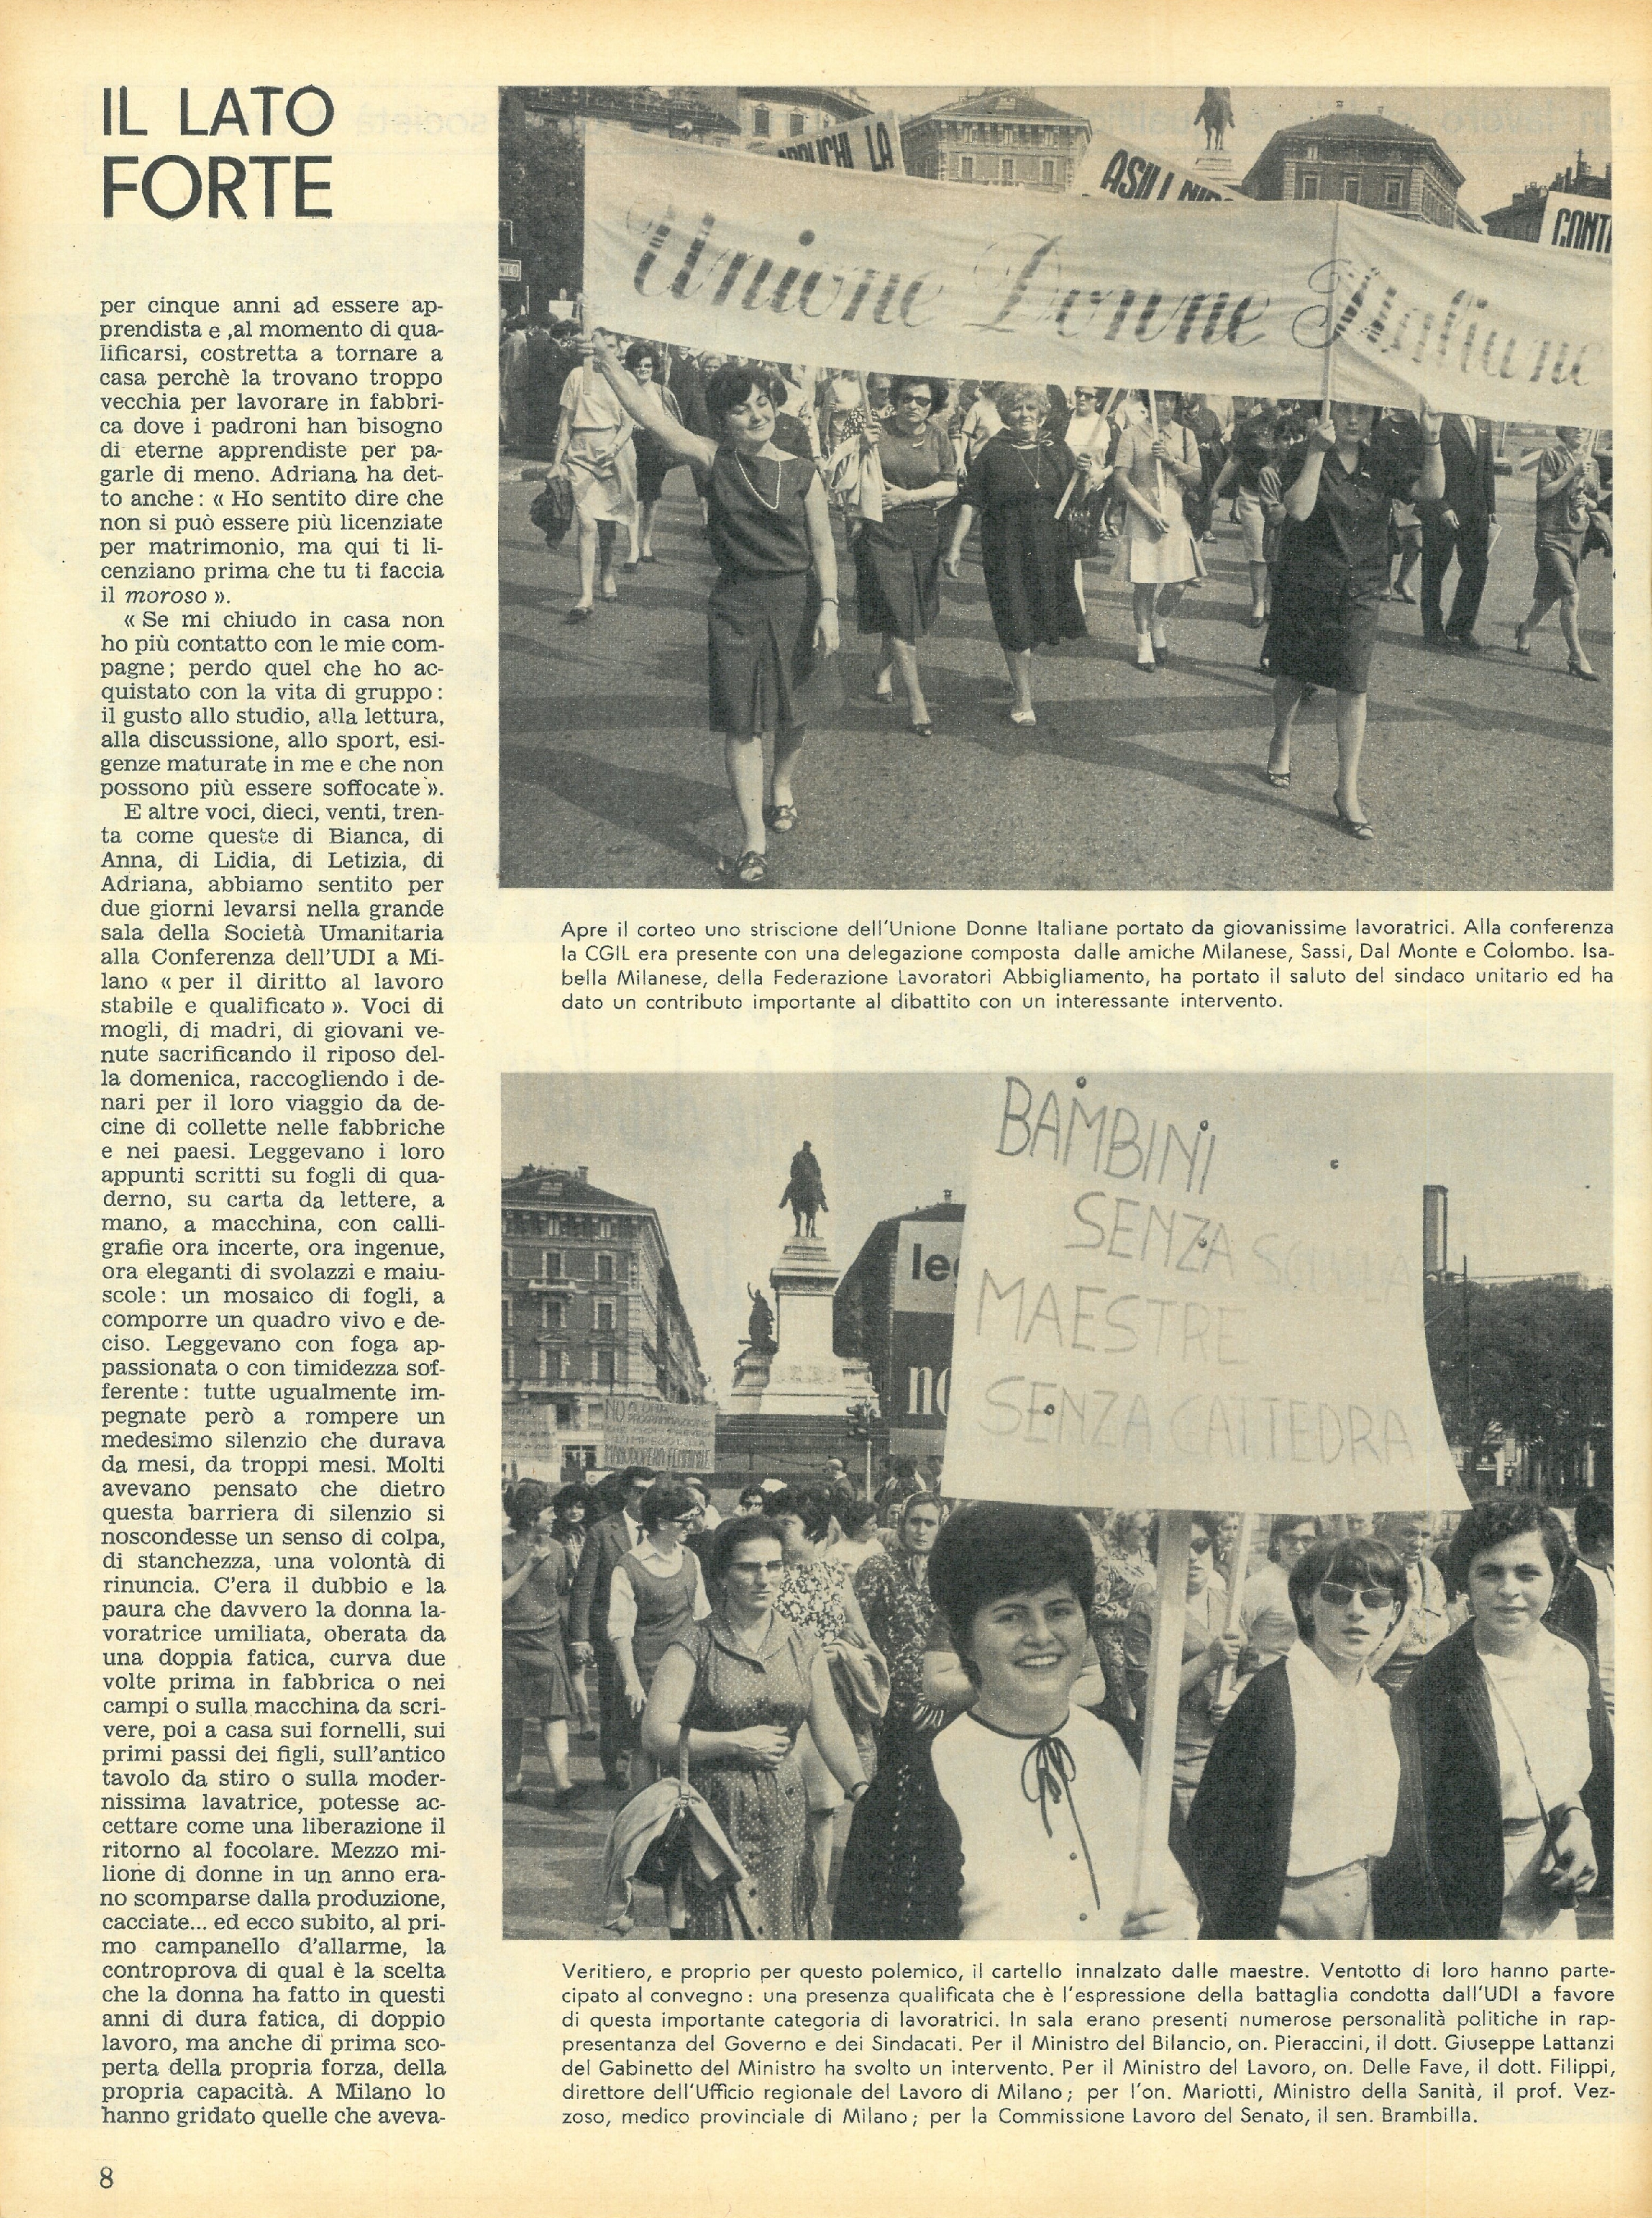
[1216, 170]
[802, 1377]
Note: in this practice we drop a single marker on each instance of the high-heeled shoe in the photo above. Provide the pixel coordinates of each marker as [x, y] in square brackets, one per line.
[1589, 677]
[1357, 827]
[1522, 640]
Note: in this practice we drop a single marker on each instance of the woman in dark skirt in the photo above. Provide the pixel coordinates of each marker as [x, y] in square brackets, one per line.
[1332, 573]
[1015, 483]
[772, 616]
[898, 560]
[654, 460]
[537, 1577]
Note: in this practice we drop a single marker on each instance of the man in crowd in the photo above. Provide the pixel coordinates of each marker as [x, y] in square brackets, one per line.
[608, 1540]
[1459, 523]
[1425, 1621]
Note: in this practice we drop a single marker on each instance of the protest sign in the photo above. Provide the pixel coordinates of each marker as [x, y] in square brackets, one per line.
[667, 1436]
[1156, 1304]
[737, 253]
[1131, 174]
[871, 144]
[1581, 227]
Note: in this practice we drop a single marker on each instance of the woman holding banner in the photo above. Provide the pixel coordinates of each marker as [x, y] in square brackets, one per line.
[772, 617]
[1332, 573]
[1015, 483]
[1298, 1798]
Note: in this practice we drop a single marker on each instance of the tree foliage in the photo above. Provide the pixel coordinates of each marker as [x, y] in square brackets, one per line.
[542, 194]
[1533, 1358]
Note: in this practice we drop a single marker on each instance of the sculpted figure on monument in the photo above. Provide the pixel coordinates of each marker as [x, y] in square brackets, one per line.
[805, 1194]
[760, 1326]
[1217, 113]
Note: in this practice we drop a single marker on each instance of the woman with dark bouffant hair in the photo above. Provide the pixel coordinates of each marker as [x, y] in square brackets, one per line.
[1025, 1831]
[772, 616]
[1297, 1799]
[1505, 1748]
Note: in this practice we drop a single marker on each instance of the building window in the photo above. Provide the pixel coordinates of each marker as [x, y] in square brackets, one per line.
[604, 1270]
[759, 122]
[966, 169]
[1312, 155]
[1307, 186]
[508, 1366]
[1351, 190]
[605, 1317]
[1046, 173]
[604, 1228]
[605, 1370]
[798, 122]
[552, 1316]
[1394, 192]
[505, 1314]
[504, 1263]
[1006, 170]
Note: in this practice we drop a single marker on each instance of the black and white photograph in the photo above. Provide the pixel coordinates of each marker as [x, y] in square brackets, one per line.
[897, 1546]
[1017, 487]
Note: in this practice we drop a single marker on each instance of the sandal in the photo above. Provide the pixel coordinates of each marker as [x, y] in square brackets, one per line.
[1279, 779]
[1358, 826]
[779, 816]
[579, 613]
[750, 869]
[924, 731]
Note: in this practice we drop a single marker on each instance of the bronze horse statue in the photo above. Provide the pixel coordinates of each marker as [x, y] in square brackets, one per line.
[1217, 113]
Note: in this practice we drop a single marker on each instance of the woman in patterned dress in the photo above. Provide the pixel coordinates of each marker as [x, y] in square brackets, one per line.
[887, 1844]
[744, 1682]
[818, 1597]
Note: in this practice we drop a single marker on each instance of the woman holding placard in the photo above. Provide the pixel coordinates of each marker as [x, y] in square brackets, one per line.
[1331, 574]
[772, 616]
[1300, 1788]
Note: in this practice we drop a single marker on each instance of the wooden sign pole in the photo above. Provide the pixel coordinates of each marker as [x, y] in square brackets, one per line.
[1164, 1697]
[1235, 1601]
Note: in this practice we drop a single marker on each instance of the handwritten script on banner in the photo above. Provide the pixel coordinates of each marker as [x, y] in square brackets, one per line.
[1154, 1308]
[780, 261]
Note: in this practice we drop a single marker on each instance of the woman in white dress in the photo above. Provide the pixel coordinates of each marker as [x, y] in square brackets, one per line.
[593, 446]
[1158, 555]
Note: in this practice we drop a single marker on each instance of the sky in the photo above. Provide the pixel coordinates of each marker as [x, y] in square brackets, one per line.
[1501, 137]
[1526, 1159]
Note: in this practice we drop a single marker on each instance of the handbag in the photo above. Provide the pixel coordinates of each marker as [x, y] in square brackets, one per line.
[666, 1860]
[552, 509]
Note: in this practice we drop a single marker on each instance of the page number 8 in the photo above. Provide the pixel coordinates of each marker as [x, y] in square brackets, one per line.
[106, 2177]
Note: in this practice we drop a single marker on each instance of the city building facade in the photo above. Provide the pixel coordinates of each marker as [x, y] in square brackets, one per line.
[1001, 136]
[1367, 160]
[589, 1303]
[1523, 217]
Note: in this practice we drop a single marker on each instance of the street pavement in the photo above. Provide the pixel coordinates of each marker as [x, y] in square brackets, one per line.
[1480, 772]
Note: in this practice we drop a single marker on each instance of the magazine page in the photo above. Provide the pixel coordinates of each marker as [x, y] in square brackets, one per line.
[842, 856]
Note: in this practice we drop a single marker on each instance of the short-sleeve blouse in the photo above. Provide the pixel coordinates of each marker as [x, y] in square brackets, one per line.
[1347, 528]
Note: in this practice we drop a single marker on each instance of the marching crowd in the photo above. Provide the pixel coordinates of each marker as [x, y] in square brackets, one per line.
[1337, 509]
[916, 1720]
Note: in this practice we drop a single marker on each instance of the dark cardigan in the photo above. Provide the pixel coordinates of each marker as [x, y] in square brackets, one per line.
[1445, 1878]
[1240, 1826]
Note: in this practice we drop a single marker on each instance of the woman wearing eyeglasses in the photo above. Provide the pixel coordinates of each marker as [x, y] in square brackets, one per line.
[1088, 432]
[1207, 1649]
[1301, 1786]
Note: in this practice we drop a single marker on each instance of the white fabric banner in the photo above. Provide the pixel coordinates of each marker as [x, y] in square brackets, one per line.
[783, 261]
[1160, 1301]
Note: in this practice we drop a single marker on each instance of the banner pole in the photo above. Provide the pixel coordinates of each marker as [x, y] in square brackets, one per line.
[1235, 1601]
[1164, 1697]
[1158, 466]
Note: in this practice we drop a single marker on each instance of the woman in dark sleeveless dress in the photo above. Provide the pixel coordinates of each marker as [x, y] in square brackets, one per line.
[658, 1595]
[772, 616]
[898, 558]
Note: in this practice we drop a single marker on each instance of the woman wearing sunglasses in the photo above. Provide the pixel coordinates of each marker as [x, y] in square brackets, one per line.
[1300, 1790]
